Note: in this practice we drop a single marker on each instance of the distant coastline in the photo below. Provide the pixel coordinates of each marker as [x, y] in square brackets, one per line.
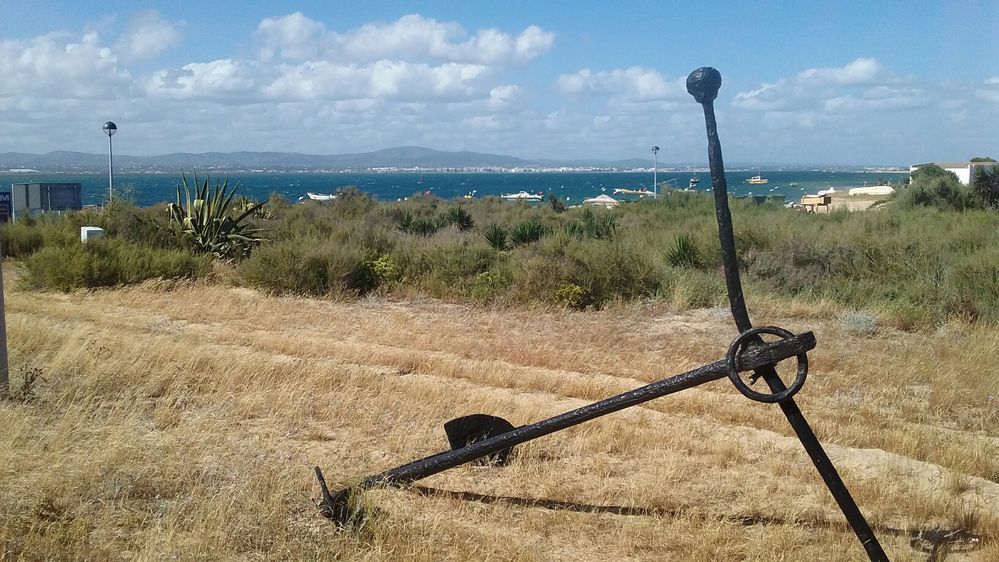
[416, 160]
[571, 186]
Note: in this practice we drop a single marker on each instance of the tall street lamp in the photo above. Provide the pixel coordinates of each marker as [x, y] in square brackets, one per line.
[110, 129]
[655, 171]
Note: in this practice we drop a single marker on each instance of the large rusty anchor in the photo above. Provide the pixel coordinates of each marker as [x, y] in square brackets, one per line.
[481, 436]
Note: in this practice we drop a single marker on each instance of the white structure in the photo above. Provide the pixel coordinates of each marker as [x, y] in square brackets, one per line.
[90, 232]
[963, 170]
[873, 190]
[602, 200]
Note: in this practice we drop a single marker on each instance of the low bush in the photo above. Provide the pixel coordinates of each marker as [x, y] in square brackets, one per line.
[107, 262]
[909, 266]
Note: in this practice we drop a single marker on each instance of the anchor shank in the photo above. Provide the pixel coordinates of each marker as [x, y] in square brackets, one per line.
[703, 85]
[767, 354]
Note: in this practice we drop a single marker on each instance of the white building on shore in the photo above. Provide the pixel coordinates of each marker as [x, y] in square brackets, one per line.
[963, 170]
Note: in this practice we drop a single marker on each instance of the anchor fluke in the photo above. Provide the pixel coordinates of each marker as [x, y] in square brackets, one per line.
[473, 428]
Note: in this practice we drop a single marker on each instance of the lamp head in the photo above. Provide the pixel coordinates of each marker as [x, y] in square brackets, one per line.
[110, 128]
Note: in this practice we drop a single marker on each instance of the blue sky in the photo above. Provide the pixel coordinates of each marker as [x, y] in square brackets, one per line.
[804, 82]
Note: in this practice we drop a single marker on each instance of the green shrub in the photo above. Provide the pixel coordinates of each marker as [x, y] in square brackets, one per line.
[488, 285]
[684, 252]
[385, 270]
[106, 262]
[458, 218]
[527, 232]
[985, 183]
[496, 237]
[209, 222]
[932, 186]
[571, 295]
[591, 225]
[19, 239]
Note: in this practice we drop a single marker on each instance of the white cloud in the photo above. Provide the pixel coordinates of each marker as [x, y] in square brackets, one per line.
[989, 91]
[384, 79]
[858, 85]
[294, 37]
[148, 34]
[860, 71]
[879, 97]
[410, 38]
[215, 79]
[767, 97]
[502, 96]
[60, 65]
[630, 84]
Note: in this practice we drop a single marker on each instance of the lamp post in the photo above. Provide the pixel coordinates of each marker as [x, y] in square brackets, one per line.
[655, 171]
[110, 129]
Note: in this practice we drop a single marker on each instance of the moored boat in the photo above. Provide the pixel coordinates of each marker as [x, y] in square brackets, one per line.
[320, 196]
[522, 196]
[757, 180]
[639, 192]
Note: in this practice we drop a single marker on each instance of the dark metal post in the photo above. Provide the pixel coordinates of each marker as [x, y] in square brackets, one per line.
[703, 84]
[4, 380]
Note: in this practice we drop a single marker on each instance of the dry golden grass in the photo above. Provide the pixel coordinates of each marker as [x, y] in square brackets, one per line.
[179, 421]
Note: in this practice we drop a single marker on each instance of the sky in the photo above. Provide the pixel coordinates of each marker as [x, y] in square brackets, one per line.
[861, 83]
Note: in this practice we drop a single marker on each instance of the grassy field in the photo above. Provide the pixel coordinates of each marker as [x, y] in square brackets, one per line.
[181, 421]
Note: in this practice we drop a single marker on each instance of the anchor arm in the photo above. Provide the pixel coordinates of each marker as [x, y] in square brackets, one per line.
[334, 506]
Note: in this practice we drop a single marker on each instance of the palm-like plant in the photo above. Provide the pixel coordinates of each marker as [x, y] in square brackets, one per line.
[458, 218]
[528, 231]
[206, 219]
[496, 237]
[986, 185]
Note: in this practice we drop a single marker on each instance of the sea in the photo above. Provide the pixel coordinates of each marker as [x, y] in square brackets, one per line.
[572, 187]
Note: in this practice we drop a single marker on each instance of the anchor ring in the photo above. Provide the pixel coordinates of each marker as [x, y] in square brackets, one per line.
[737, 347]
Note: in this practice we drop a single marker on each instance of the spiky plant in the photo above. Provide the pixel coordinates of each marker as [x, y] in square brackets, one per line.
[496, 237]
[986, 184]
[458, 218]
[527, 232]
[205, 219]
[684, 252]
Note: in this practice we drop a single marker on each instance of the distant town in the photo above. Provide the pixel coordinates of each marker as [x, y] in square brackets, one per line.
[394, 160]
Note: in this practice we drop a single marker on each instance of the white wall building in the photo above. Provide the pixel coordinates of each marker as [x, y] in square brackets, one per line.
[963, 170]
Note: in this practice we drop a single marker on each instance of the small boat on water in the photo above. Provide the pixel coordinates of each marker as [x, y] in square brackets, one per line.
[320, 196]
[522, 196]
[639, 192]
[757, 180]
[693, 182]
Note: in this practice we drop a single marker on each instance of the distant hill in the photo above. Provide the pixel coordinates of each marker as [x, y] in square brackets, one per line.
[400, 157]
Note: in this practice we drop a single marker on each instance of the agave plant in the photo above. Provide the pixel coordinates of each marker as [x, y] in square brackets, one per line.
[496, 237]
[528, 231]
[684, 252]
[206, 219]
[458, 218]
